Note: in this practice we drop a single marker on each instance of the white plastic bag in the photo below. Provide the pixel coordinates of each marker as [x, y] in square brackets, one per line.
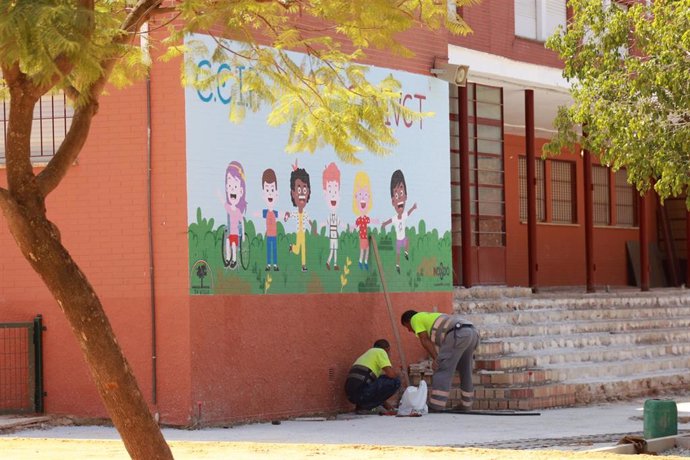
[413, 401]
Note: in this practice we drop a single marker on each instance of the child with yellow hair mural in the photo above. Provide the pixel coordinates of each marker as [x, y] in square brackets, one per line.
[362, 202]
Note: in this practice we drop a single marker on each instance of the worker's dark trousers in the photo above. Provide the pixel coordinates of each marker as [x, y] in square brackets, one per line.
[373, 394]
[455, 354]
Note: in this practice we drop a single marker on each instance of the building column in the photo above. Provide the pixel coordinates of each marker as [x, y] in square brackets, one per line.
[644, 244]
[589, 220]
[465, 212]
[531, 190]
[687, 248]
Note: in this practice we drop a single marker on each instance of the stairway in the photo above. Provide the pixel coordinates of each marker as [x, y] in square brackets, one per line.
[566, 348]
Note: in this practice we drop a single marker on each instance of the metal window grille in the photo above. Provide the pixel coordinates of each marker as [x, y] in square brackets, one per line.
[51, 121]
[600, 195]
[21, 374]
[539, 165]
[563, 192]
[626, 204]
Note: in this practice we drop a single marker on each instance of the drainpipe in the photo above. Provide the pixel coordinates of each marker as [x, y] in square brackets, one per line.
[149, 200]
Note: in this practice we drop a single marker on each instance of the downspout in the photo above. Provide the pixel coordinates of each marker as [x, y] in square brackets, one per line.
[149, 201]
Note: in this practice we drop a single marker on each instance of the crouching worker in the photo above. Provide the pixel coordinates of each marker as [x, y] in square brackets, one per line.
[451, 341]
[372, 380]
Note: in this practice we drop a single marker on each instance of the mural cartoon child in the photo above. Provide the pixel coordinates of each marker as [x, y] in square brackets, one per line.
[269, 187]
[331, 192]
[398, 200]
[362, 202]
[236, 206]
[300, 192]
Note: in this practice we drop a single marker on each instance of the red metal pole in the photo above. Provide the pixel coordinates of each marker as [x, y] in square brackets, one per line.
[589, 221]
[465, 213]
[531, 190]
[644, 245]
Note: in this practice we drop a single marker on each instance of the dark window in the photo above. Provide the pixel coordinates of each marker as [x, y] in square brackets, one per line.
[52, 119]
[626, 200]
[600, 195]
[563, 192]
[540, 188]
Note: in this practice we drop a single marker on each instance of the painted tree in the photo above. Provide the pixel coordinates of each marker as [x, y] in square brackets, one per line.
[80, 46]
[629, 67]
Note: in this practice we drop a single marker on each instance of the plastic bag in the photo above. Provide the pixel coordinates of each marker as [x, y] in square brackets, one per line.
[413, 401]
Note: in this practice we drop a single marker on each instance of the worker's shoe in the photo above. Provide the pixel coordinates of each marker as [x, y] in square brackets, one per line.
[361, 411]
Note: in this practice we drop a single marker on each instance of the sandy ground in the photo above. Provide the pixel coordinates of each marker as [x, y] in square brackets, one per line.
[60, 449]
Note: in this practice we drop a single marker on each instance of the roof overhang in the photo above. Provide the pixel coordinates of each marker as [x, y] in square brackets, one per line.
[551, 90]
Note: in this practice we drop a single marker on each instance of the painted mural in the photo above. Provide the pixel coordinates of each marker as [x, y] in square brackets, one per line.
[262, 221]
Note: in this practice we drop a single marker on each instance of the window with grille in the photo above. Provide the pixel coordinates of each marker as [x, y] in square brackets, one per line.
[52, 118]
[563, 192]
[538, 19]
[540, 188]
[600, 195]
[487, 195]
[626, 202]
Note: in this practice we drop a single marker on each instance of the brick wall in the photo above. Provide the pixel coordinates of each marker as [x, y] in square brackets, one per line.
[493, 26]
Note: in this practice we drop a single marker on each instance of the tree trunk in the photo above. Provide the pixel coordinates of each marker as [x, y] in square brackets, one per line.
[39, 241]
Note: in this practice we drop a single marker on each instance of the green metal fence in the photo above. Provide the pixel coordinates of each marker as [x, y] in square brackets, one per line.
[21, 367]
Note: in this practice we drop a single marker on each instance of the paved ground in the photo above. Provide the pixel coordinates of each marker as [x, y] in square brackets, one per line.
[572, 429]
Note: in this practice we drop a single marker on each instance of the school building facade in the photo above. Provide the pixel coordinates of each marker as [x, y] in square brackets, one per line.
[237, 277]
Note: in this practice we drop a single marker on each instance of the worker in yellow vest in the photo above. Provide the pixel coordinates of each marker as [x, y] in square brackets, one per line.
[372, 379]
[451, 341]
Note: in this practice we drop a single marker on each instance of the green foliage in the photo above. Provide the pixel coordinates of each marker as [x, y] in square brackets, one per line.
[61, 44]
[630, 76]
[326, 98]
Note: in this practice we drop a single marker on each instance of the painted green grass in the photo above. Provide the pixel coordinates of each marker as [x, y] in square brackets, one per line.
[428, 267]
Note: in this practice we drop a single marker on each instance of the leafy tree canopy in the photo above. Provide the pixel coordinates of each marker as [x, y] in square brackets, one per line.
[325, 97]
[629, 67]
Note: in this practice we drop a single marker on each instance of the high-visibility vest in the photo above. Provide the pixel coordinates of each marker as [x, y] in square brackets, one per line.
[445, 324]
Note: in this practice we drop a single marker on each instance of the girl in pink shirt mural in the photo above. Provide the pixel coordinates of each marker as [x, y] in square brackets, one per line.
[362, 201]
[235, 206]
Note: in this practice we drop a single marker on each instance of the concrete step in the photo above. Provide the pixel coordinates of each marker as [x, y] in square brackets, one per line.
[546, 357]
[522, 344]
[613, 370]
[669, 298]
[539, 316]
[514, 378]
[495, 331]
[562, 349]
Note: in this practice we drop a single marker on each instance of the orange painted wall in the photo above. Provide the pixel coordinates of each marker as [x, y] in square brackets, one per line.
[561, 248]
[276, 356]
[101, 210]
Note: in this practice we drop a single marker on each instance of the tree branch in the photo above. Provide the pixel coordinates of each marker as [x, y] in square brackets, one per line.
[69, 149]
[76, 137]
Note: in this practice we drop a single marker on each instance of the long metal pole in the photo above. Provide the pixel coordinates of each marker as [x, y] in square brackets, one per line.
[531, 190]
[389, 307]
